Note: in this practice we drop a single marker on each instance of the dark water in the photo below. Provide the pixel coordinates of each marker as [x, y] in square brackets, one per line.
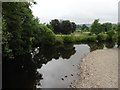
[48, 66]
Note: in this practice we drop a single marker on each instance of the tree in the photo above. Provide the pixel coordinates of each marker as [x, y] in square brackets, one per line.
[118, 31]
[50, 27]
[84, 27]
[78, 27]
[21, 31]
[111, 35]
[64, 27]
[73, 26]
[16, 17]
[96, 27]
[56, 26]
[107, 26]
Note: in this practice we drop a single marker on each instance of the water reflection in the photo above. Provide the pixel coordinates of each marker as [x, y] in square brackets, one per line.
[64, 51]
[22, 71]
[62, 72]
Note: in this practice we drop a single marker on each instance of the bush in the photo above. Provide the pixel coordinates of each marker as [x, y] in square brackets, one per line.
[48, 38]
[69, 39]
[101, 37]
[111, 35]
[91, 38]
[43, 36]
[58, 40]
[88, 38]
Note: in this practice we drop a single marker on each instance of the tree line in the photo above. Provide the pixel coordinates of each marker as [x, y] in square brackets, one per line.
[22, 31]
[67, 27]
[62, 26]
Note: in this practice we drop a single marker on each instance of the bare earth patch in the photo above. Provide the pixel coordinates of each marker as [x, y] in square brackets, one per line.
[99, 70]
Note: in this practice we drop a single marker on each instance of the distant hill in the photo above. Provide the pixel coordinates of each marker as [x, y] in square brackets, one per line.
[88, 25]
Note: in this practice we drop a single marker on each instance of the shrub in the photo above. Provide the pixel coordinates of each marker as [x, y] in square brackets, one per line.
[44, 36]
[58, 40]
[101, 37]
[88, 38]
[69, 39]
[111, 35]
[92, 38]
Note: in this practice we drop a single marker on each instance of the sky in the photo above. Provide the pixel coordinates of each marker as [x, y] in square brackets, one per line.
[78, 11]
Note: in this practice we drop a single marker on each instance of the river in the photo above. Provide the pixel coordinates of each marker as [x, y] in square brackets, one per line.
[48, 66]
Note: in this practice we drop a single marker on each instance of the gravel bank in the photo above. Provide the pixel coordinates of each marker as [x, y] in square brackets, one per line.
[99, 70]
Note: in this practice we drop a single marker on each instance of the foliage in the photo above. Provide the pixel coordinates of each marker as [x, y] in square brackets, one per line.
[58, 40]
[89, 38]
[56, 26]
[16, 17]
[77, 39]
[69, 39]
[111, 35]
[84, 27]
[64, 27]
[106, 27]
[50, 27]
[21, 31]
[47, 36]
[67, 27]
[96, 27]
[118, 31]
[101, 37]
[78, 27]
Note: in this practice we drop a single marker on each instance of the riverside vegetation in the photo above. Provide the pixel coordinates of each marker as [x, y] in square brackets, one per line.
[22, 31]
[22, 34]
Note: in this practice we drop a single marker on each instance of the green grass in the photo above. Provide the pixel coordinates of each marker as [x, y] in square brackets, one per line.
[73, 38]
[83, 37]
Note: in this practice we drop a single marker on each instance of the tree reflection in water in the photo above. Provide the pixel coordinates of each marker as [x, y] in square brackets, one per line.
[21, 71]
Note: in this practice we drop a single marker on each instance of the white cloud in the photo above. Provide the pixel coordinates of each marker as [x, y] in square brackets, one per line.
[79, 11]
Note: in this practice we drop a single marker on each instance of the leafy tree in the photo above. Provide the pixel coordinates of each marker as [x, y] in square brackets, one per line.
[56, 26]
[64, 27]
[107, 26]
[21, 31]
[78, 27]
[115, 27]
[96, 27]
[50, 27]
[101, 37]
[111, 35]
[16, 17]
[73, 26]
[84, 27]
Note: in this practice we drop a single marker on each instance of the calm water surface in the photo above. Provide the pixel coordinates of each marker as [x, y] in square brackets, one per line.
[47, 66]
[60, 73]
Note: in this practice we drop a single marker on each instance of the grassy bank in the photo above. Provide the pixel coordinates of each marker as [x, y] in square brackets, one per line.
[85, 37]
[75, 38]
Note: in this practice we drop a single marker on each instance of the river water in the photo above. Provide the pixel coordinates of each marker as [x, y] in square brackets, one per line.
[47, 66]
[61, 73]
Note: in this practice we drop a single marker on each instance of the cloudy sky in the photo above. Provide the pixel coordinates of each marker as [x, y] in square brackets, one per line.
[78, 11]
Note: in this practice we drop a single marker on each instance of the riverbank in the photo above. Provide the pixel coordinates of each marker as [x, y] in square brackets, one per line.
[99, 70]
